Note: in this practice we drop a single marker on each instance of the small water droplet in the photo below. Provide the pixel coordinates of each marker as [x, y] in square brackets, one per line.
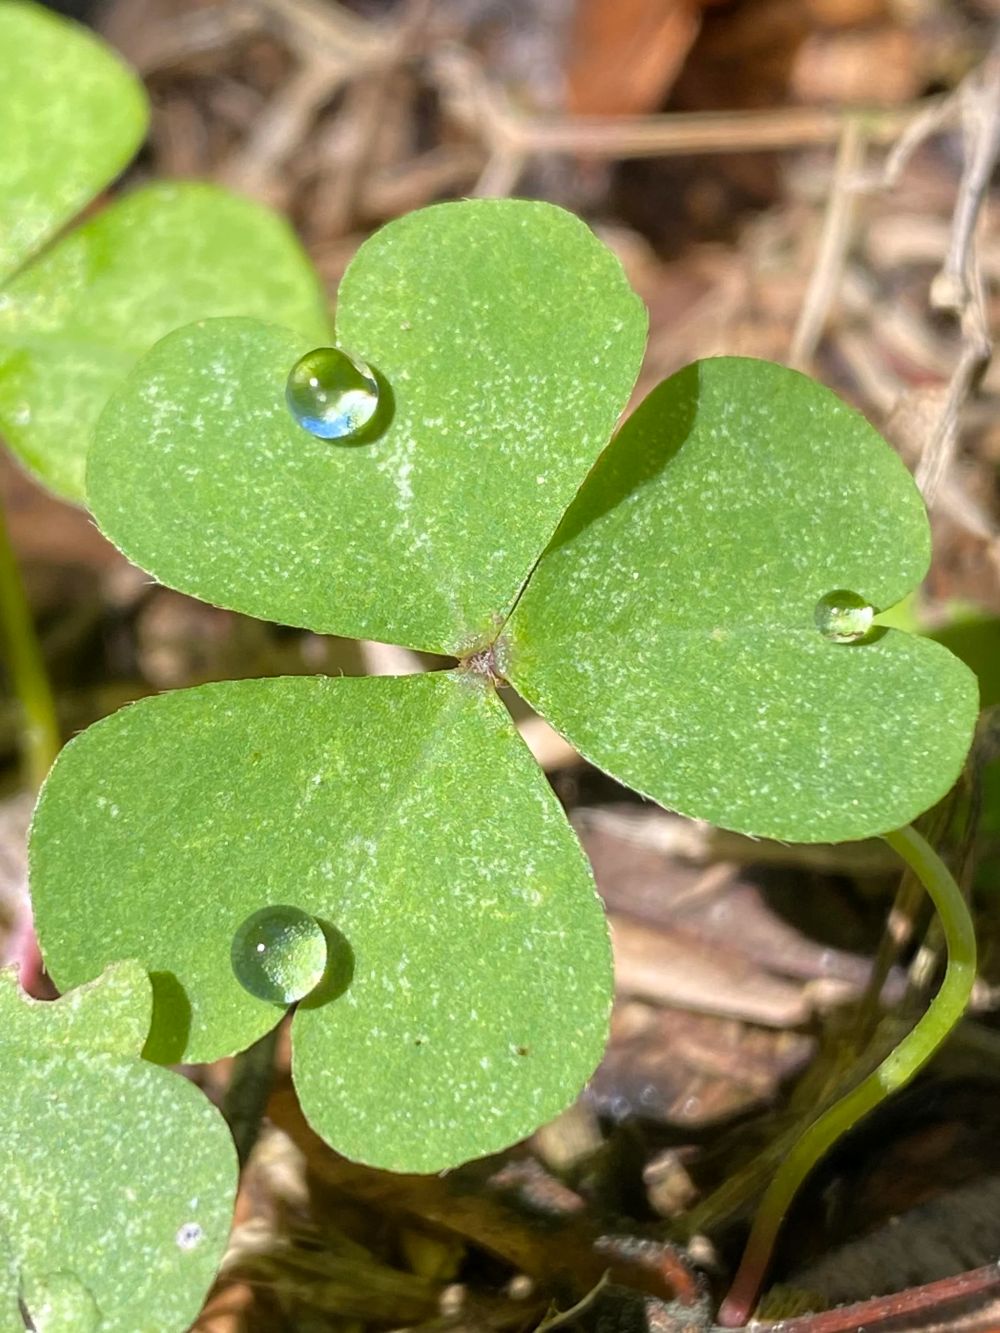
[189, 1236]
[843, 617]
[330, 394]
[21, 415]
[60, 1303]
[279, 954]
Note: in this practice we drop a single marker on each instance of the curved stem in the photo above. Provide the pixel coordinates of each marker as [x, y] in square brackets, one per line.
[896, 1069]
[28, 677]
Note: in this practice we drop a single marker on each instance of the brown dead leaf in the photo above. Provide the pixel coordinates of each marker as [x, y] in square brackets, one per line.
[690, 1070]
[625, 54]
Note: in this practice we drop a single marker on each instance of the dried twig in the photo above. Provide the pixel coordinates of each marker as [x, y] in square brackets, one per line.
[337, 48]
[959, 286]
[367, 113]
[835, 238]
[282, 126]
[483, 109]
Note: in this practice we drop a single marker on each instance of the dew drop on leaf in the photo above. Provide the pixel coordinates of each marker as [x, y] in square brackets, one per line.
[843, 617]
[330, 394]
[279, 954]
[189, 1236]
[60, 1303]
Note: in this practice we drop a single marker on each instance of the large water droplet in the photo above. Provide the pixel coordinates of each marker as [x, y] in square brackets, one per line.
[843, 617]
[279, 954]
[60, 1303]
[330, 394]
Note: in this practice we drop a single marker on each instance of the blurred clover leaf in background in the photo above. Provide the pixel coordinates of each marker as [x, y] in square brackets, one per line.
[77, 310]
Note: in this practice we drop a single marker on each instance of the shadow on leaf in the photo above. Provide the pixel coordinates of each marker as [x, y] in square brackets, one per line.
[171, 1025]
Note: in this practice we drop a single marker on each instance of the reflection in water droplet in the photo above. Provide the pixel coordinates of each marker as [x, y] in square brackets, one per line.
[649, 1095]
[619, 1107]
[60, 1303]
[330, 394]
[843, 617]
[279, 954]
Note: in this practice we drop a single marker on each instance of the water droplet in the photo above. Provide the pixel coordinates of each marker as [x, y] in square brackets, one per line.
[60, 1303]
[189, 1236]
[330, 394]
[843, 617]
[279, 954]
[649, 1095]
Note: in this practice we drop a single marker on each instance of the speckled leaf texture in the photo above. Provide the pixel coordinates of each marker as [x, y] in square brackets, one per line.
[71, 116]
[10, 1311]
[469, 1000]
[669, 630]
[509, 340]
[74, 323]
[118, 1176]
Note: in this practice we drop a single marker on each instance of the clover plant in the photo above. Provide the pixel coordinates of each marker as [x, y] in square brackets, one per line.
[694, 605]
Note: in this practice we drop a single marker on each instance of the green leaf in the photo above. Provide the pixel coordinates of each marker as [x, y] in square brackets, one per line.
[74, 324]
[71, 116]
[670, 633]
[119, 1176]
[510, 341]
[469, 991]
[10, 1312]
[973, 635]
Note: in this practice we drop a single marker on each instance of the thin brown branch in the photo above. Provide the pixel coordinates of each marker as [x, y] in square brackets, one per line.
[318, 29]
[835, 238]
[959, 286]
[482, 108]
[366, 114]
[937, 1305]
[282, 126]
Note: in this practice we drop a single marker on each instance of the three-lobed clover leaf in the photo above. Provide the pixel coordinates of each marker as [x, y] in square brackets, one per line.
[119, 1176]
[75, 318]
[678, 627]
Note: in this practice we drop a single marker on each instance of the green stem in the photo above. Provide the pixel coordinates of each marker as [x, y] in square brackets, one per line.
[29, 679]
[896, 1069]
